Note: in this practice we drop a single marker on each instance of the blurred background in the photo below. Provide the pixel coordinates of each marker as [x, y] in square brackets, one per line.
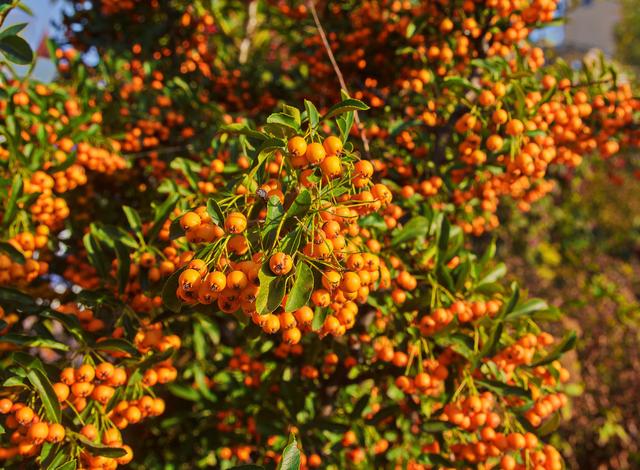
[579, 247]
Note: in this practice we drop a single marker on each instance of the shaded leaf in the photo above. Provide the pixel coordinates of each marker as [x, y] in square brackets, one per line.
[302, 287]
[16, 49]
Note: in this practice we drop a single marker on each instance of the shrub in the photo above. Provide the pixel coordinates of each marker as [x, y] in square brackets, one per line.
[181, 242]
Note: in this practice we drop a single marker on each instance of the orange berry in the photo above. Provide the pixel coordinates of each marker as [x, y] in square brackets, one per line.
[315, 153]
[235, 223]
[297, 146]
[190, 220]
[332, 145]
[56, 433]
[85, 373]
[38, 432]
[280, 264]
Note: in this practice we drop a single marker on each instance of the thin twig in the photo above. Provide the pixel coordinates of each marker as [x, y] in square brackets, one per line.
[336, 68]
[252, 22]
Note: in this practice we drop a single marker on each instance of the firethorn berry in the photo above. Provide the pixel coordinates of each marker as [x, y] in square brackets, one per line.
[237, 280]
[189, 280]
[215, 281]
[67, 376]
[280, 264]
[515, 127]
[350, 282]
[235, 222]
[24, 415]
[189, 221]
[104, 371]
[304, 315]
[315, 153]
[5, 405]
[297, 146]
[61, 390]
[363, 168]
[331, 167]
[56, 433]
[291, 336]
[499, 116]
[38, 432]
[85, 373]
[198, 265]
[331, 280]
[332, 145]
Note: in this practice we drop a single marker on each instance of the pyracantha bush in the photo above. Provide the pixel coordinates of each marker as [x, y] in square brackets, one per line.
[193, 270]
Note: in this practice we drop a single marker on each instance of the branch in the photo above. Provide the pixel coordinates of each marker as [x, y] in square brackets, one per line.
[252, 22]
[336, 68]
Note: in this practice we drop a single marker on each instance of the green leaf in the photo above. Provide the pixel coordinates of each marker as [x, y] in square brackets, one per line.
[12, 205]
[513, 301]
[70, 465]
[437, 426]
[154, 358]
[169, 298]
[133, 218]
[15, 255]
[549, 425]
[503, 389]
[319, 317]
[275, 211]
[124, 264]
[302, 288]
[117, 345]
[461, 82]
[11, 296]
[54, 456]
[460, 343]
[345, 123]
[271, 291]
[373, 220]
[528, 307]
[344, 107]
[199, 341]
[99, 449]
[360, 406]
[214, 211]
[186, 392]
[95, 253]
[293, 112]
[443, 239]
[47, 394]
[436, 461]
[12, 30]
[290, 455]
[492, 276]
[488, 255]
[417, 227]
[312, 114]
[69, 322]
[568, 343]
[16, 49]
[300, 206]
[267, 149]
[33, 342]
[490, 347]
[161, 214]
[243, 129]
[189, 169]
[284, 120]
